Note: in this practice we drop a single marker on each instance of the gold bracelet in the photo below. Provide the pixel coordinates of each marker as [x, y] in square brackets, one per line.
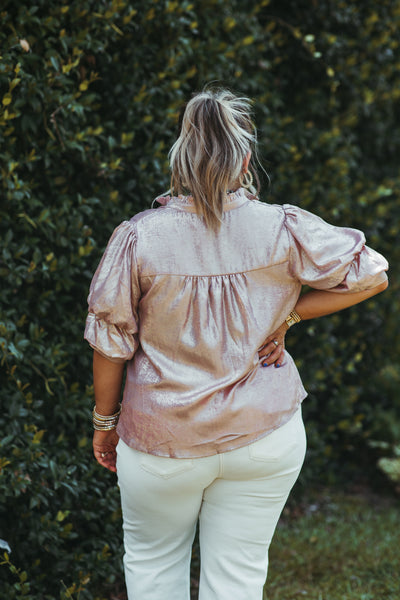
[105, 417]
[105, 422]
[292, 319]
[104, 428]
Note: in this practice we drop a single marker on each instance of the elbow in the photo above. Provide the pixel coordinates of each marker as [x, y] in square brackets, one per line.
[381, 287]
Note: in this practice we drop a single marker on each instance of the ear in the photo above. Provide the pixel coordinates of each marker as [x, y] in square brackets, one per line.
[246, 162]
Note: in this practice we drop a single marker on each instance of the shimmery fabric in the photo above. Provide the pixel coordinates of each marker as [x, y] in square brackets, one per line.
[189, 309]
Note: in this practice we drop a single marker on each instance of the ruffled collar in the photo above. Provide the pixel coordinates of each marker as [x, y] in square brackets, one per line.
[233, 200]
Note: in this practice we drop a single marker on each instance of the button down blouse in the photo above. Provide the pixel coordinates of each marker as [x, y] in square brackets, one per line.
[188, 308]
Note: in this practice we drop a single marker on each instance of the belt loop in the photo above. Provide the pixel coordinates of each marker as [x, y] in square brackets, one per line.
[221, 464]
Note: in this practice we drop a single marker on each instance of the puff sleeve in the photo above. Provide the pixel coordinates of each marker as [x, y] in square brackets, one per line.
[112, 322]
[327, 257]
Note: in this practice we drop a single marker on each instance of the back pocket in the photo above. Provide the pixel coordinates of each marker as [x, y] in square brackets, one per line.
[165, 467]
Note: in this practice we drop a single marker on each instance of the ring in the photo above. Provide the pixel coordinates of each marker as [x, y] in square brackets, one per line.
[103, 454]
[276, 342]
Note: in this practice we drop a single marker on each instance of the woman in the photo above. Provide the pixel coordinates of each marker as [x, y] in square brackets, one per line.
[196, 297]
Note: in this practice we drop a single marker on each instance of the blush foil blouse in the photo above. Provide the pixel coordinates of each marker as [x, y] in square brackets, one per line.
[189, 308]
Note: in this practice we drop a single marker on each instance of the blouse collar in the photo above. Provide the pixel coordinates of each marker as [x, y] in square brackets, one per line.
[233, 200]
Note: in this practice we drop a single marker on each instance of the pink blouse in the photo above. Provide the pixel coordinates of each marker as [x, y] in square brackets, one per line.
[189, 308]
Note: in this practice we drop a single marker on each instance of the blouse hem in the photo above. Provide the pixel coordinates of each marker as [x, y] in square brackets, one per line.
[223, 447]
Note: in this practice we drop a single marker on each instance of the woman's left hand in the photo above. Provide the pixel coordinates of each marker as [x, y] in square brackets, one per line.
[273, 349]
[104, 448]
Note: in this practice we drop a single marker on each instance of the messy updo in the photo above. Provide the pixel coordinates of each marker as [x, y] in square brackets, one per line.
[206, 160]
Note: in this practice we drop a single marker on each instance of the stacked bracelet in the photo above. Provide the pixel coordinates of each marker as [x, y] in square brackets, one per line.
[292, 319]
[105, 422]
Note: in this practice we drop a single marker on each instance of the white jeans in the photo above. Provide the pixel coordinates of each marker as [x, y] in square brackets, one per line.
[237, 497]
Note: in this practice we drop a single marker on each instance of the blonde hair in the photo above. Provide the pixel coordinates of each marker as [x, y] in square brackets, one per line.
[207, 158]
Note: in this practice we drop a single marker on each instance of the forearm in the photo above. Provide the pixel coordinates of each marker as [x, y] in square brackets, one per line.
[107, 380]
[317, 303]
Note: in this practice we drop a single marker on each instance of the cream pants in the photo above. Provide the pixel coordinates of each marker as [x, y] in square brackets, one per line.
[237, 497]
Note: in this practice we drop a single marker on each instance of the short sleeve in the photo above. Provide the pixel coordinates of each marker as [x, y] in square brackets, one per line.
[327, 257]
[112, 322]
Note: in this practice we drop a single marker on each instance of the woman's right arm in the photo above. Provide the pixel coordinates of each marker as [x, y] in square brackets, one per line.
[313, 304]
[317, 303]
[332, 261]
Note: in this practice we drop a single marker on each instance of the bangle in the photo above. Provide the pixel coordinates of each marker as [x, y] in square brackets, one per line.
[105, 422]
[292, 319]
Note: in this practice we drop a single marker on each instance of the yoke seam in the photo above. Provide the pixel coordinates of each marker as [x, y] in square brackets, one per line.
[219, 274]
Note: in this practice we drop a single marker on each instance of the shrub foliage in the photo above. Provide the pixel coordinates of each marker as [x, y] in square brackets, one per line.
[90, 94]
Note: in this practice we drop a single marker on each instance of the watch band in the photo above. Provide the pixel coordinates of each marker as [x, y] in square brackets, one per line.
[292, 319]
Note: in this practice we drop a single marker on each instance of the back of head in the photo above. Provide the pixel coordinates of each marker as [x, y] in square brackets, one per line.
[207, 158]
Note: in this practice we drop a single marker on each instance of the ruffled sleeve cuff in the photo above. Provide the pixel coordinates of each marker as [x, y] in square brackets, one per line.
[327, 257]
[116, 344]
[366, 271]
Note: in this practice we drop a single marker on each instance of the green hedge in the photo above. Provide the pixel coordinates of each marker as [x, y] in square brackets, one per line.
[90, 94]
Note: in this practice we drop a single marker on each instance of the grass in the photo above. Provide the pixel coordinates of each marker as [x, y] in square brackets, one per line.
[338, 547]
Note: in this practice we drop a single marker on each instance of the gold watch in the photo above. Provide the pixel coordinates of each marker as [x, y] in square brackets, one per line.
[292, 319]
